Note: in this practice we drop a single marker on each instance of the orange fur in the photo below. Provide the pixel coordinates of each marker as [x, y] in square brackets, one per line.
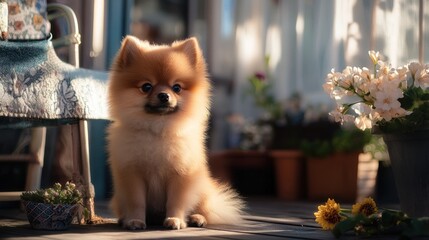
[156, 148]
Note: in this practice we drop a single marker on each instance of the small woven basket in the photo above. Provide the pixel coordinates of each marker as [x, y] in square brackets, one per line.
[50, 216]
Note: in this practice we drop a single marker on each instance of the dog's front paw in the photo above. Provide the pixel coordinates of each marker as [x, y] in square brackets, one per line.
[134, 224]
[197, 220]
[174, 223]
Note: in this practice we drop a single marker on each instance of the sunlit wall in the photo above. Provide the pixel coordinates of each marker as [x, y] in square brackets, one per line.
[305, 39]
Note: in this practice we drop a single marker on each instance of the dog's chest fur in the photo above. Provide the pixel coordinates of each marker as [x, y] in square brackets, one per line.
[157, 154]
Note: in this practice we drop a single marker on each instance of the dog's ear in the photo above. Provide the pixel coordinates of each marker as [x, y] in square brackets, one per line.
[131, 48]
[191, 49]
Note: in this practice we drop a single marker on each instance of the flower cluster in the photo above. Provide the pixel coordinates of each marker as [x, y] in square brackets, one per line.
[55, 195]
[365, 219]
[391, 98]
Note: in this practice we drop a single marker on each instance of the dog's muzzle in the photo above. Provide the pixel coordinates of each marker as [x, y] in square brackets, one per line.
[161, 109]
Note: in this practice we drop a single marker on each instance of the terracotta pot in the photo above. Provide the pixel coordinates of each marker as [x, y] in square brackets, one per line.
[289, 169]
[249, 172]
[334, 176]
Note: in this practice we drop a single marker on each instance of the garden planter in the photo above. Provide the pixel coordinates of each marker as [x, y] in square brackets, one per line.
[409, 156]
[50, 216]
[289, 170]
[334, 176]
[250, 172]
[386, 192]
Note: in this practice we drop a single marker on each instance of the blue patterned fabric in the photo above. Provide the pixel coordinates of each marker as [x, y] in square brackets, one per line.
[36, 87]
[28, 19]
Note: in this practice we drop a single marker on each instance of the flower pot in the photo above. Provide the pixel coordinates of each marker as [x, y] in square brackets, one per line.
[50, 216]
[289, 169]
[409, 156]
[334, 176]
[386, 192]
[250, 172]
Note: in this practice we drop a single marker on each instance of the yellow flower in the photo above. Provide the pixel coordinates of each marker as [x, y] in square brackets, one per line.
[365, 207]
[328, 215]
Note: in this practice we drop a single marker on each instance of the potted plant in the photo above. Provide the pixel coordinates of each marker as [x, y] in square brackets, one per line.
[261, 92]
[332, 164]
[282, 148]
[52, 208]
[289, 125]
[394, 102]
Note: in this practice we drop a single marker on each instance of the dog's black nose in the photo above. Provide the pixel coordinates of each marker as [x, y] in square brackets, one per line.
[163, 97]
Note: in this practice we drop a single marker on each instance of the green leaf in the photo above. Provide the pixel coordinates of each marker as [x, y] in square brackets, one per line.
[344, 226]
[406, 102]
[425, 96]
[417, 227]
[387, 218]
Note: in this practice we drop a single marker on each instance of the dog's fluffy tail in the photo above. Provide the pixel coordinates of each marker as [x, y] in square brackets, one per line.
[223, 205]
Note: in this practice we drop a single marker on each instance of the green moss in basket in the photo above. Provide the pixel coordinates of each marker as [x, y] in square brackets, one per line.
[58, 194]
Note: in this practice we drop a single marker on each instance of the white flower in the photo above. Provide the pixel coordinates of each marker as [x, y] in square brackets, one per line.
[365, 73]
[346, 82]
[337, 114]
[421, 77]
[366, 98]
[328, 87]
[402, 72]
[392, 113]
[373, 56]
[413, 67]
[348, 98]
[338, 93]
[362, 84]
[364, 119]
[363, 122]
[348, 118]
[361, 109]
[386, 100]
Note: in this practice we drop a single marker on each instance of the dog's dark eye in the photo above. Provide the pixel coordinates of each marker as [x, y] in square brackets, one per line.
[146, 87]
[177, 88]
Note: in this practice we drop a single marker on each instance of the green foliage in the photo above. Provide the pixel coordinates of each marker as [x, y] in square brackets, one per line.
[55, 195]
[344, 140]
[346, 225]
[350, 140]
[388, 222]
[316, 148]
[260, 90]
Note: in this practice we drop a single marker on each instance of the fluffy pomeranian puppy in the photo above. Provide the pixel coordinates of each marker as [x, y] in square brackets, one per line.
[159, 99]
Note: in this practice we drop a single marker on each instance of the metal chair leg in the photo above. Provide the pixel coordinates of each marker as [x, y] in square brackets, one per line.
[86, 171]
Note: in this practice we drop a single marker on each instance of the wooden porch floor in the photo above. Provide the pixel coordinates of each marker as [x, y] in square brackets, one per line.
[266, 219]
